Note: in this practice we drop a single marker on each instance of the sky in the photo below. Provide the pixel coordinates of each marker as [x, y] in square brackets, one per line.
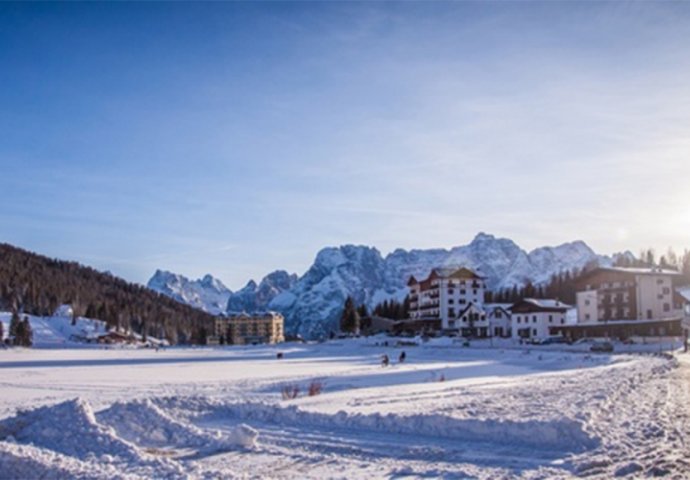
[239, 138]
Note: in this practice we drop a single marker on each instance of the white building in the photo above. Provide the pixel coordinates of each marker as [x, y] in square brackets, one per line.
[615, 294]
[498, 315]
[472, 322]
[445, 294]
[534, 318]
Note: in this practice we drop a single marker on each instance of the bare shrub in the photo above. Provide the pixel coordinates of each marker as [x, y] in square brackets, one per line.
[315, 388]
[289, 392]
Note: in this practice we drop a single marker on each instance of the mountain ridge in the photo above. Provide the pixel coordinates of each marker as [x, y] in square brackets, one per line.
[313, 302]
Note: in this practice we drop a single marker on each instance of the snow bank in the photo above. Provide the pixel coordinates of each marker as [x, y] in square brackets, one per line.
[561, 434]
[69, 428]
[68, 438]
[145, 424]
[27, 461]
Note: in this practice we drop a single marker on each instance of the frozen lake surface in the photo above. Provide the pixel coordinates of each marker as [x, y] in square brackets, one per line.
[447, 411]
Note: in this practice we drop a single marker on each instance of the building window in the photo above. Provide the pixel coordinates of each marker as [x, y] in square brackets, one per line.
[498, 314]
[666, 290]
[474, 292]
[586, 316]
[667, 307]
[534, 332]
[659, 281]
[550, 318]
[586, 302]
[562, 320]
[534, 319]
[463, 292]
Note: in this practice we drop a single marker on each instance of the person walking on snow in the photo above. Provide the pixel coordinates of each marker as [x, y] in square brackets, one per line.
[385, 360]
[402, 357]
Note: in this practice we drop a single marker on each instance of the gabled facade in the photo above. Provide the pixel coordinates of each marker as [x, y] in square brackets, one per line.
[444, 295]
[498, 315]
[623, 294]
[472, 321]
[534, 318]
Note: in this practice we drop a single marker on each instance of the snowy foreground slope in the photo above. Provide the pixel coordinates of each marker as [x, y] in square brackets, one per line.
[447, 412]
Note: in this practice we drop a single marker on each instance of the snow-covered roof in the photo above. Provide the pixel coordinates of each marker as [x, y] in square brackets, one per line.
[547, 303]
[642, 271]
[684, 292]
[493, 306]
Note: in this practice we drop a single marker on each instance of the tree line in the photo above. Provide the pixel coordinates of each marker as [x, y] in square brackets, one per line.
[38, 285]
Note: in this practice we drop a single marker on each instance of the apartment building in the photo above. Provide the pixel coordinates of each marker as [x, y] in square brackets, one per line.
[248, 329]
[618, 294]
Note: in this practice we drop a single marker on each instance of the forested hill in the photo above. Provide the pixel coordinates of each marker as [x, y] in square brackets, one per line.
[37, 285]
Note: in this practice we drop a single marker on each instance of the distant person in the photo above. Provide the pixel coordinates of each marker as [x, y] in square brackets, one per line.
[402, 357]
[385, 361]
[279, 355]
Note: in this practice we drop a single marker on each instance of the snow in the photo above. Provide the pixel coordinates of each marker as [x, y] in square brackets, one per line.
[208, 293]
[57, 331]
[487, 411]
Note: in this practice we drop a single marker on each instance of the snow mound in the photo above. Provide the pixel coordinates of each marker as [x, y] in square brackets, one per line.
[27, 461]
[145, 424]
[69, 428]
[562, 434]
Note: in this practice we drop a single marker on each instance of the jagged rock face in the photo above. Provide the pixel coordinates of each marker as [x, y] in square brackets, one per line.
[208, 294]
[255, 297]
[313, 303]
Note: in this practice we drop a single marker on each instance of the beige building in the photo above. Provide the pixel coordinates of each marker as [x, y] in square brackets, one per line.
[616, 294]
[246, 329]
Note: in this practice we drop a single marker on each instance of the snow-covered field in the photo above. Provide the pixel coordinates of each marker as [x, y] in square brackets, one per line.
[447, 411]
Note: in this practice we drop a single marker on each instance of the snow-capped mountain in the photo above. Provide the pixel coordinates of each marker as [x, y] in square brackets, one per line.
[255, 297]
[313, 303]
[208, 293]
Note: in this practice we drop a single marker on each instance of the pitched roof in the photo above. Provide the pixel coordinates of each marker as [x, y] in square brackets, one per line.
[542, 304]
[629, 271]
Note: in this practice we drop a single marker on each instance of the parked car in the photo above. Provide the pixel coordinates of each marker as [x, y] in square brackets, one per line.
[602, 347]
[554, 340]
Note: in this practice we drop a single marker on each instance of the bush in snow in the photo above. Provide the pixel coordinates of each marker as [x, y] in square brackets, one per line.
[315, 388]
[289, 392]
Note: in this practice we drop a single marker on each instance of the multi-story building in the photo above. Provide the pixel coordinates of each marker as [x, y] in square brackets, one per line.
[617, 294]
[243, 328]
[535, 318]
[445, 295]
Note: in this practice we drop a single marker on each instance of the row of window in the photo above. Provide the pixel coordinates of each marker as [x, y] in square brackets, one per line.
[518, 319]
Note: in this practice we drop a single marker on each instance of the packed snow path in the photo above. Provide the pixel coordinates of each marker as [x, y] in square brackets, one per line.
[446, 412]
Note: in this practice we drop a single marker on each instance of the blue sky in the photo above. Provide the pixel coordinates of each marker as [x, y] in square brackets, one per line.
[237, 138]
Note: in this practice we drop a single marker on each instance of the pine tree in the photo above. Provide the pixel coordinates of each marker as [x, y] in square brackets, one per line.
[18, 334]
[27, 333]
[349, 321]
[14, 325]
